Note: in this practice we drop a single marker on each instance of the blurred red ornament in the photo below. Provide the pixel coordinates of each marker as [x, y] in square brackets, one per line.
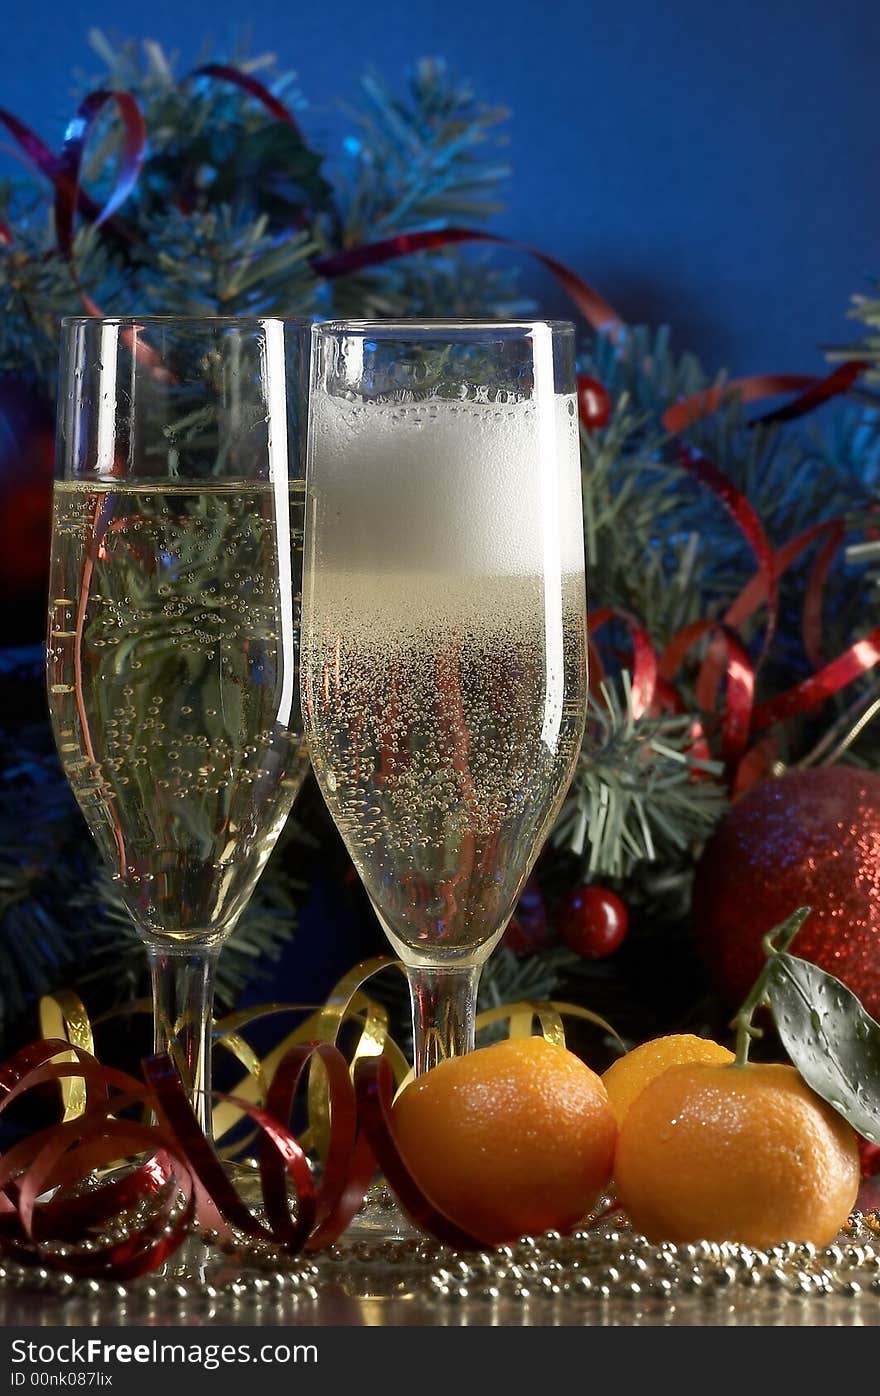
[869, 1158]
[27, 456]
[594, 403]
[809, 838]
[528, 930]
[593, 921]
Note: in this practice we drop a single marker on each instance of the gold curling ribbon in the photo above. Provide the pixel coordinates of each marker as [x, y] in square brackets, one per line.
[346, 1005]
[549, 1014]
[63, 1015]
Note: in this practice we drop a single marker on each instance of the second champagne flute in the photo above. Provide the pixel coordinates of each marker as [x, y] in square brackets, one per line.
[444, 672]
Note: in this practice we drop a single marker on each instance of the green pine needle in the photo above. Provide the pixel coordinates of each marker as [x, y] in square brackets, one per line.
[639, 795]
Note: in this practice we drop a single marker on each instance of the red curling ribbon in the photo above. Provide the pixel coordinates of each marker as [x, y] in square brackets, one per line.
[818, 391]
[28, 1067]
[280, 1156]
[856, 660]
[754, 593]
[218, 1204]
[349, 1164]
[692, 410]
[644, 671]
[699, 749]
[832, 531]
[595, 667]
[36, 150]
[63, 1156]
[594, 308]
[227, 72]
[328, 1206]
[811, 392]
[350, 1201]
[667, 698]
[68, 196]
[69, 164]
[755, 766]
[749, 524]
[47, 163]
[54, 1161]
[374, 1089]
[814, 596]
[737, 713]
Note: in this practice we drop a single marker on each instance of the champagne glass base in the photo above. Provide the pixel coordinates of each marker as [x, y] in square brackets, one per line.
[194, 1262]
[381, 1218]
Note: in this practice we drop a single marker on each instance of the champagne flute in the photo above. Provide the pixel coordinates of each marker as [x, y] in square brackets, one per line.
[172, 628]
[443, 665]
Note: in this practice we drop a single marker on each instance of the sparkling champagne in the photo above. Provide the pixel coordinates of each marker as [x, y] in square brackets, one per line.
[173, 615]
[444, 687]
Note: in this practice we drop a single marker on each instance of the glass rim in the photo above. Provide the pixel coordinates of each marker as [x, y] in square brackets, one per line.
[134, 320]
[418, 327]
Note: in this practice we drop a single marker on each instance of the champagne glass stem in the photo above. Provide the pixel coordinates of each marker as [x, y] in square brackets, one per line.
[444, 1008]
[183, 1001]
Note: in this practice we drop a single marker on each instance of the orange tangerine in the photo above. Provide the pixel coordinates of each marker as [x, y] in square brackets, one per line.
[511, 1139]
[626, 1078]
[729, 1153]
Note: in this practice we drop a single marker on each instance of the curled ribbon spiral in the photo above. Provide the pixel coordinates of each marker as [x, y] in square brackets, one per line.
[63, 1196]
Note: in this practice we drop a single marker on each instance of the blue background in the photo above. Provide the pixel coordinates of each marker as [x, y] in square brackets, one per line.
[707, 164]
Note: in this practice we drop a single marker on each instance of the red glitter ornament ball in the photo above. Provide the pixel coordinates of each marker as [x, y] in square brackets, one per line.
[594, 403]
[593, 921]
[809, 838]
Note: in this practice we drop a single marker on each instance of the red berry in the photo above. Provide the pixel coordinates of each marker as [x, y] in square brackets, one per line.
[593, 921]
[516, 939]
[594, 403]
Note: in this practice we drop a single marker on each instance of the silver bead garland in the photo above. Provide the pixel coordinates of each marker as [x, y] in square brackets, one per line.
[608, 1261]
[612, 1261]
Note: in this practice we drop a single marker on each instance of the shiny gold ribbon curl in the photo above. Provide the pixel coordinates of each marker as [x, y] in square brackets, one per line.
[63, 1015]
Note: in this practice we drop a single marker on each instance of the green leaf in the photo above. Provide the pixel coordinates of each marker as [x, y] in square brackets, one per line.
[829, 1037]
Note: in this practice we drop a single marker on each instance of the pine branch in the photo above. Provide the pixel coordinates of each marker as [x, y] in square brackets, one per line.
[223, 261]
[231, 206]
[639, 794]
[419, 160]
[422, 161]
[508, 979]
[865, 309]
[438, 285]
